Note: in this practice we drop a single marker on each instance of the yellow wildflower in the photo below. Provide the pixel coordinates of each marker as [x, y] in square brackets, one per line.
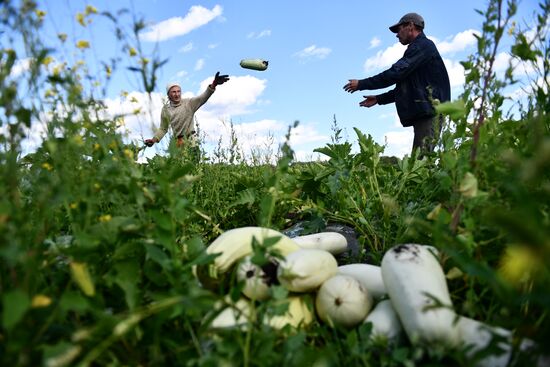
[82, 44]
[40, 14]
[132, 51]
[40, 300]
[77, 139]
[47, 60]
[47, 166]
[105, 218]
[90, 10]
[49, 93]
[519, 264]
[512, 28]
[80, 18]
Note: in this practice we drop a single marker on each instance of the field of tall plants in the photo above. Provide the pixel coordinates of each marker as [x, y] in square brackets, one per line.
[98, 253]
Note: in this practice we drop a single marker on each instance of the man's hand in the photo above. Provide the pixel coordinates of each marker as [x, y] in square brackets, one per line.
[351, 86]
[150, 142]
[369, 101]
[219, 79]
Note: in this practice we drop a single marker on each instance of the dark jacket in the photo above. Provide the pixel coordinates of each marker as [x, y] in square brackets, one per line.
[417, 75]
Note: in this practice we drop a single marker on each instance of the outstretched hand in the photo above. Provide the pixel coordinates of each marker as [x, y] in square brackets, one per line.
[351, 86]
[369, 101]
[220, 79]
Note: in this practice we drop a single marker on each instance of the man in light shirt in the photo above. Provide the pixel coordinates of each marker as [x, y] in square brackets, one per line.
[179, 114]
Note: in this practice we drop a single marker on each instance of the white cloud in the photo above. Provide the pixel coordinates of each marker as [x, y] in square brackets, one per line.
[254, 35]
[502, 61]
[213, 46]
[309, 156]
[235, 97]
[384, 59]
[398, 143]
[178, 26]
[136, 126]
[459, 42]
[396, 120]
[263, 137]
[182, 74]
[186, 48]
[456, 73]
[20, 66]
[305, 134]
[199, 64]
[313, 51]
[374, 42]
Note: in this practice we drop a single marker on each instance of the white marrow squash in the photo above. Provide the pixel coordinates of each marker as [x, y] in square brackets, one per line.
[414, 278]
[298, 315]
[342, 301]
[333, 242]
[370, 277]
[233, 315]
[234, 244]
[385, 322]
[256, 282]
[477, 336]
[305, 270]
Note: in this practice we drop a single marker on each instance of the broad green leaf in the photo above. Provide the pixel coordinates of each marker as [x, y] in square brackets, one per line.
[15, 304]
[72, 301]
[128, 279]
[455, 110]
[156, 254]
[523, 50]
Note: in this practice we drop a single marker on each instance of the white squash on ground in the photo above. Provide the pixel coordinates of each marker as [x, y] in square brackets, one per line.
[385, 322]
[232, 315]
[234, 244]
[256, 281]
[305, 270]
[476, 335]
[298, 315]
[370, 277]
[333, 242]
[342, 301]
[414, 279]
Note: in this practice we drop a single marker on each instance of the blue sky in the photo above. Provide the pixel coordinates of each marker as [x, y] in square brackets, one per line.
[313, 48]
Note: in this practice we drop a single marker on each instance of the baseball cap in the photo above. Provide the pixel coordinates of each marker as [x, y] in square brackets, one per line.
[170, 85]
[407, 18]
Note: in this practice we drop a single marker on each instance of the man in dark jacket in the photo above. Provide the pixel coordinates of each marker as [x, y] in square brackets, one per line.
[420, 79]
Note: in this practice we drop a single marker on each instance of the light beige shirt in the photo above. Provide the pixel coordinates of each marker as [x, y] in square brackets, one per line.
[181, 117]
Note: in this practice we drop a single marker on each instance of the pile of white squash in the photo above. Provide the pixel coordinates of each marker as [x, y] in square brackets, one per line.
[406, 296]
